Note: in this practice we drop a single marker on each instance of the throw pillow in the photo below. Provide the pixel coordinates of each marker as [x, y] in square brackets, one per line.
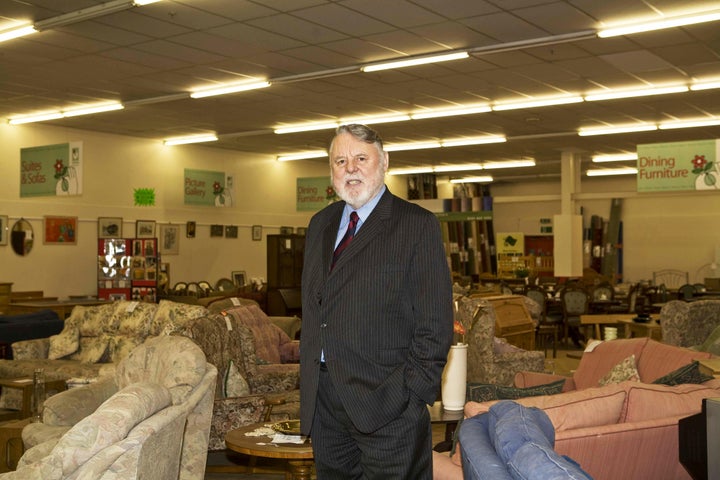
[623, 371]
[64, 343]
[92, 350]
[479, 392]
[234, 384]
[690, 373]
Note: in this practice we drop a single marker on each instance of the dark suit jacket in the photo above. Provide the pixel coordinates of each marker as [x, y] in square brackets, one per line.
[383, 316]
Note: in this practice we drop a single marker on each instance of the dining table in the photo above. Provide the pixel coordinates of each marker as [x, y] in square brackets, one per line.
[63, 308]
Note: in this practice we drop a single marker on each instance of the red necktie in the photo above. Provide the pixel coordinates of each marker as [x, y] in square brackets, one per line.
[347, 238]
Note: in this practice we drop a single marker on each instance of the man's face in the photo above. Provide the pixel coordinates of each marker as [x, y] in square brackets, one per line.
[357, 169]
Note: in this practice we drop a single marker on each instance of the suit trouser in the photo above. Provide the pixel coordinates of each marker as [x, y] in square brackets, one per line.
[402, 449]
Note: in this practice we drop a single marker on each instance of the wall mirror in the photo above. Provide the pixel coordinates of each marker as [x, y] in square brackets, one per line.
[21, 237]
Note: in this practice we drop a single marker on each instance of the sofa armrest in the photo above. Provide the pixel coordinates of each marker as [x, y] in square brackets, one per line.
[232, 413]
[290, 352]
[526, 379]
[290, 325]
[69, 407]
[35, 349]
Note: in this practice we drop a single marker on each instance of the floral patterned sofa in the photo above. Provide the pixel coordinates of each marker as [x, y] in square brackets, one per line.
[491, 360]
[151, 419]
[691, 324]
[249, 351]
[93, 340]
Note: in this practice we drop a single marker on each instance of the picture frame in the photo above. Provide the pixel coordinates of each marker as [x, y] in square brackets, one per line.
[145, 229]
[301, 230]
[4, 230]
[257, 233]
[169, 239]
[58, 230]
[216, 230]
[239, 278]
[110, 227]
[190, 228]
[231, 231]
[286, 230]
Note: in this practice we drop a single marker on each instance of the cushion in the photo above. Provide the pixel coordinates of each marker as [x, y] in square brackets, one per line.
[122, 345]
[64, 343]
[268, 337]
[92, 321]
[622, 372]
[658, 358]
[234, 384]
[597, 363]
[93, 350]
[690, 373]
[479, 392]
[171, 317]
[649, 402]
[134, 318]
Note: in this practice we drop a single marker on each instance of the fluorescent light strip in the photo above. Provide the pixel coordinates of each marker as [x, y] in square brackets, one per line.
[409, 170]
[643, 92]
[587, 132]
[705, 85]
[658, 25]
[460, 142]
[375, 120]
[537, 103]
[509, 164]
[482, 179]
[309, 127]
[302, 156]
[90, 109]
[710, 122]
[612, 171]
[38, 117]
[414, 61]
[140, 3]
[457, 168]
[463, 167]
[617, 157]
[226, 89]
[210, 137]
[450, 112]
[17, 32]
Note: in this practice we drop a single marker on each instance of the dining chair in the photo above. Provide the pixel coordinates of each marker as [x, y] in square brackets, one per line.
[575, 301]
[686, 292]
[548, 326]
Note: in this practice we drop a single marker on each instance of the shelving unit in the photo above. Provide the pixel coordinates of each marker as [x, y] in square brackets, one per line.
[128, 269]
[469, 242]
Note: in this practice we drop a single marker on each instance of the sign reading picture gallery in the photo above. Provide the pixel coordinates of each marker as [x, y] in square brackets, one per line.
[664, 167]
[205, 187]
[51, 170]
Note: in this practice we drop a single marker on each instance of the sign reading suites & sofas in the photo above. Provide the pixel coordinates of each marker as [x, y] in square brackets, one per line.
[664, 167]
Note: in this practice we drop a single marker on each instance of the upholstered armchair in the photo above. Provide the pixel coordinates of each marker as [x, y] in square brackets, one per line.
[248, 349]
[689, 324]
[150, 420]
[490, 359]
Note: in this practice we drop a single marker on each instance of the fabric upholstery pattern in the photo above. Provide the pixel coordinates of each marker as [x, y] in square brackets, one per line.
[134, 318]
[622, 372]
[172, 317]
[235, 384]
[712, 342]
[688, 324]
[690, 373]
[491, 360]
[64, 343]
[93, 350]
[484, 392]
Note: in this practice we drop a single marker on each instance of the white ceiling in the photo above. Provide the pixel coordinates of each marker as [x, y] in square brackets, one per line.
[151, 57]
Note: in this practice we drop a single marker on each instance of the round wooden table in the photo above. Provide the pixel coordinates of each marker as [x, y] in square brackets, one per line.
[299, 456]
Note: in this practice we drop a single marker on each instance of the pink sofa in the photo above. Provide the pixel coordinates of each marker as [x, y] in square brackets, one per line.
[623, 430]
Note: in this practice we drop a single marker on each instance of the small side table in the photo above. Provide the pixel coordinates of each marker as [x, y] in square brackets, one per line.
[26, 385]
[710, 366]
[11, 444]
[449, 418]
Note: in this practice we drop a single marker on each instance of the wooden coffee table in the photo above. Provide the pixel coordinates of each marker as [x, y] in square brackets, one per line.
[299, 456]
[449, 418]
[25, 385]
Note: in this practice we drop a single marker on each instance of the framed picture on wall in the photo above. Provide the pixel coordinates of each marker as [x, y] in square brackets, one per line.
[145, 229]
[4, 230]
[239, 278]
[110, 227]
[257, 233]
[169, 239]
[60, 230]
[190, 229]
[231, 231]
[216, 230]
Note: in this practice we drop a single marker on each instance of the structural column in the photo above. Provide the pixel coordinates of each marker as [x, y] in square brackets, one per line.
[567, 226]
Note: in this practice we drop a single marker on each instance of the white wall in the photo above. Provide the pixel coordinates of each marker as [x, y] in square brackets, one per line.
[660, 230]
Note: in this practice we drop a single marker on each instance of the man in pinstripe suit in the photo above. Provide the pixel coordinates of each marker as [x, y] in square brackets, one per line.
[377, 325]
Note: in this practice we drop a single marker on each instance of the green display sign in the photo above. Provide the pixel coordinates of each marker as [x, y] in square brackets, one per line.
[51, 170]
[314, 194]
[204, 187]
[672, 166]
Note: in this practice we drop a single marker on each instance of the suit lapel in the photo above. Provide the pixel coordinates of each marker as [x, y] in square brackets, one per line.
[372, 227]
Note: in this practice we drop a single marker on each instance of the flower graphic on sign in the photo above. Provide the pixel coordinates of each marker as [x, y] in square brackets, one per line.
[330, 194]
[64, 175]
[707, 173]
[219, 192]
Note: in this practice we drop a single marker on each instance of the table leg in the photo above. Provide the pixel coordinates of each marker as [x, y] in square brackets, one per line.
[300, 469]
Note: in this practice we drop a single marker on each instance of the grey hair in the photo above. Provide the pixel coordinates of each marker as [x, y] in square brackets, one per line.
[361, 132]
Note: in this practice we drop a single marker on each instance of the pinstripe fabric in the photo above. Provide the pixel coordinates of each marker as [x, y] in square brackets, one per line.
[382, 316]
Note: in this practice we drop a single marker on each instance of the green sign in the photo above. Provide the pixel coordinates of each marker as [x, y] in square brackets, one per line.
[673, 166]
[51, 170]
[203, 187]
[144, 197]
[314, 194]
